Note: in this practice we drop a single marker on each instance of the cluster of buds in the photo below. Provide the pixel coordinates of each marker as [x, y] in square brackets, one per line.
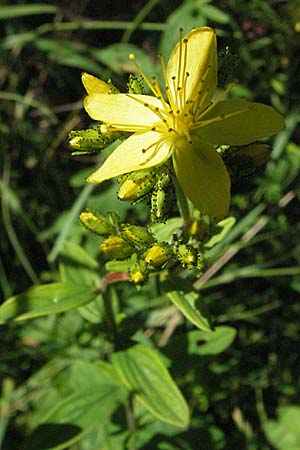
[138, 246]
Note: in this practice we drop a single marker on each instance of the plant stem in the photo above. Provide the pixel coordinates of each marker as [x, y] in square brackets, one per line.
[107, 297]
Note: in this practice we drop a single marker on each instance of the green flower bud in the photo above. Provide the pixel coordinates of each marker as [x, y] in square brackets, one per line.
[86, 141]
[160, 199]
[137, 185]
[96, 223]
[137, 236]
[158, 254]
[138, 273]
[187, 256]
[116, 248]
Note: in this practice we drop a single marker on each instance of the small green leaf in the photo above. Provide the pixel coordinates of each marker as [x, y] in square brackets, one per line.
[164, 231]
[44, 300]
[284, 433]
[210, 343]
[224, 226]
[142, 372]
[186, 304]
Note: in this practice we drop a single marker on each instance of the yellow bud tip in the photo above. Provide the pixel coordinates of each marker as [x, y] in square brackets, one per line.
[103, 128]
[75, 142]
[137, 277]
[131, 56]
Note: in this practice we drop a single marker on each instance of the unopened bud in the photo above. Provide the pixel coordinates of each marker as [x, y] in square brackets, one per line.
[187, 256]
[86, 141]
[116, 248]
[158, 255]
[137, 236]
[96, 223]
[137, 185]
[138, 273]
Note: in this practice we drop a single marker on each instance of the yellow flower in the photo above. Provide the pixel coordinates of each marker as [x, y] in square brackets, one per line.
[184, 124]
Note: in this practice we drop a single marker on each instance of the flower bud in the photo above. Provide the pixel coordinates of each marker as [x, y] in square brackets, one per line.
[160, 199]
[96, 223]
[137, 236]
[116, 248]
[86, 141]
[138, 273]
[158, 254]
[137, 184]
[187, 256]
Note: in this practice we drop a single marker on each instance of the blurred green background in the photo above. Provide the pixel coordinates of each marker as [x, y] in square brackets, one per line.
[44, 49]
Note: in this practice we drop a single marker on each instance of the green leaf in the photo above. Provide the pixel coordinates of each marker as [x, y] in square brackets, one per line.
[284, 433]
[142, 372]
[224, 226]
[164, 231]
[77, 266]
[85, 374]
[186, 304]
[43, 300]
[215, 14]
[74, 417]
[14, 11]
[210, 343]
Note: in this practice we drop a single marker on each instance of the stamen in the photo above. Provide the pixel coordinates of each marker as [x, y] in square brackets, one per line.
[139, 69]
[213, 104]
[219, 118]
[167, 87]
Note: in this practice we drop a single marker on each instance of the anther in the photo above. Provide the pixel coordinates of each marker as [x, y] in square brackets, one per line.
[185, 40]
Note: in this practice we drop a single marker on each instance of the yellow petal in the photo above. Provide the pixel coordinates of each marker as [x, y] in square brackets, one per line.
[200, 63]
[124, 112]
[94, 85]
[139, 151]
[203, 177]
[238, 122]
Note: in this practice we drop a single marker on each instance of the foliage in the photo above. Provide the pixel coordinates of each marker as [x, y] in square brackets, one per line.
[89, 360]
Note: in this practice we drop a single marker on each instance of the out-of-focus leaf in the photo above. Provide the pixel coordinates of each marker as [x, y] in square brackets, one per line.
[284, 433]
[214, 14]
[44, 300]
[14, 11]
[187, 16]
[142, 372]
[116, 57]
[210, 343]
[75, 416]
[225, 226]
[186, 304]
[77, 266]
